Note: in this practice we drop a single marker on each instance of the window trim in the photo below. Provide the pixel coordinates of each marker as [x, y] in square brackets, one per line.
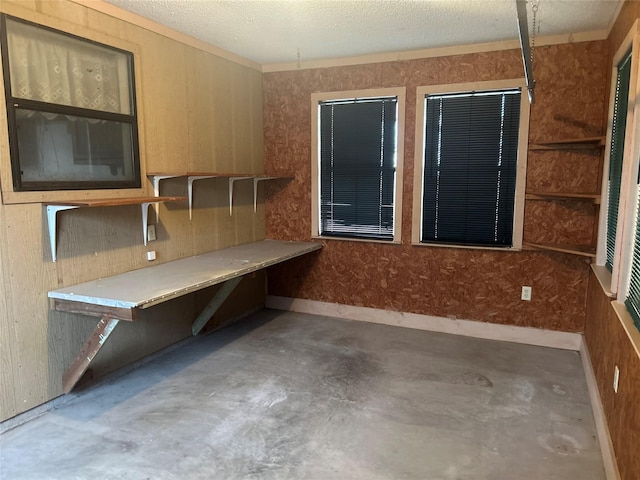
[12, 196]
[521, 172]
[618, 279]
[400, 93]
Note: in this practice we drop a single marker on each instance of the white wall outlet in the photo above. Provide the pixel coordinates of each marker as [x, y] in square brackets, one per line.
[526, 294]
[151, 255]
[151, 233]
[616, 378]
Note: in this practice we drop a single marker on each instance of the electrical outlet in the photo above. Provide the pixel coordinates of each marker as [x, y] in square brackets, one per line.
[526, 294]
[616, 378]
[151, 255]
[151, 233]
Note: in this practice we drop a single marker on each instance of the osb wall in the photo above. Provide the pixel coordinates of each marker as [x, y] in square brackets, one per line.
[197, 112]
[607, 341]
[609, 345]
[462, 283]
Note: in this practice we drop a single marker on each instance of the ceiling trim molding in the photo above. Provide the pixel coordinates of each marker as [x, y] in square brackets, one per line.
[614, 17]
[142, 22]
[435, 52]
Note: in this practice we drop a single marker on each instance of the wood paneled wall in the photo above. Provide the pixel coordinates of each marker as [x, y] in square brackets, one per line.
[470, 284]
[607, 340]
[609, 346]
[197, 112]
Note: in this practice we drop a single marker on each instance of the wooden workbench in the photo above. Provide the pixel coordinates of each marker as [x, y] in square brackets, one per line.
[119, 297]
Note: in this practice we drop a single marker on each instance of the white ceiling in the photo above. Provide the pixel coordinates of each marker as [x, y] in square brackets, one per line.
[274, 31]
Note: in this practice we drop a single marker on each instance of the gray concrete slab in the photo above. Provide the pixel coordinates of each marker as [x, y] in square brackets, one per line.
[293, 396]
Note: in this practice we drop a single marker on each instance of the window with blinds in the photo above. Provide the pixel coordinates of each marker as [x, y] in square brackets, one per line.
[633, 296]
[358, 157]
[616, 154]
[470, 167]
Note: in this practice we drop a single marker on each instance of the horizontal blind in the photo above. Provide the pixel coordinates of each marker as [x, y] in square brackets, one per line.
[470, 166]
[618, 128]
[633, 297]
[358, 141]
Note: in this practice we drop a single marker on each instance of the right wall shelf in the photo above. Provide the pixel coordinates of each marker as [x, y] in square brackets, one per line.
[587, 143]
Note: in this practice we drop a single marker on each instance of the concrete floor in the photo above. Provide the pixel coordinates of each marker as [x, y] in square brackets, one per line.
[292, 396]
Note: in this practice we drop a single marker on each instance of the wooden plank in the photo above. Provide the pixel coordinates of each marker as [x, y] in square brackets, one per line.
[88, 352]
[114, 202]
[560, 196]
[570, 144]
[213, 306]
[582, 250]
[101, 311]
[153, 285]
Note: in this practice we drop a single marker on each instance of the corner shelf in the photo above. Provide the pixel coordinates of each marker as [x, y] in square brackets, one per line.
[54, 207]
[561, 196]
[232, 177]
[582, 250]
[587, 143]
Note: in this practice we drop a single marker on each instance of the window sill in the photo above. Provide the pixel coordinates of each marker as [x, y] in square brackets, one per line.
[359, 240]
[466, 247]
[604, 278]
[627, 322]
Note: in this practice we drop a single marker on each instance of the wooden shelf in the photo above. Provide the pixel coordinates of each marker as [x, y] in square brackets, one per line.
[588, 143]
[562, 196]
[55, 207]
[582, 250]
[232, 177]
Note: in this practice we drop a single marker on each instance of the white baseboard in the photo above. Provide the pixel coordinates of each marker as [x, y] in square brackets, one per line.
[469, 328]
[604, 438]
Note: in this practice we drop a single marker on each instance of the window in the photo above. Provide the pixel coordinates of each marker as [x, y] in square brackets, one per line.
[617, 225]
[71, 110]
[357, 176]
[619, 122]
[470, 158]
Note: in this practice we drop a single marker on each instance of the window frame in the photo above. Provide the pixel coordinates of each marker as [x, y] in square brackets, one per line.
[521, 169]
[12, 195]
[316, 98]
[616, 282]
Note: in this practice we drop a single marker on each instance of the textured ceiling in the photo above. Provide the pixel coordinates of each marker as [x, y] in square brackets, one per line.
[274, 31]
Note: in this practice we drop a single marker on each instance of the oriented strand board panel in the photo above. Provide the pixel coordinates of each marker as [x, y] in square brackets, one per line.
[459, 283]
[609, 345]
[37, 344]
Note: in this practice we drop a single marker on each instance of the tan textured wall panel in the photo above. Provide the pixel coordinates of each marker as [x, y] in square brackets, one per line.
[609, 345]
[178, 131]
[461, 283]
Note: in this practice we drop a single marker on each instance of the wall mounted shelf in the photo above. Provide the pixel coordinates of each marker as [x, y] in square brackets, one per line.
[582, 250]
[587, 143]
[232, 178]
[53, 208]
[562, 196]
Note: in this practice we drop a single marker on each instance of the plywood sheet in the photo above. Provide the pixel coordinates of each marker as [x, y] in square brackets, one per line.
[153, 285]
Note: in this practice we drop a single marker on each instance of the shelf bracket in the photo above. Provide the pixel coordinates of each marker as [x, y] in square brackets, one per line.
[190, 181]
[155, 179]
[255, 190]
[145, 218]
[52, 221]
[232, 180]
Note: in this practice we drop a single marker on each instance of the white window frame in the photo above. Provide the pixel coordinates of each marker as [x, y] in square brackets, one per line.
[521, 172]
[316, 98]
[616, 283]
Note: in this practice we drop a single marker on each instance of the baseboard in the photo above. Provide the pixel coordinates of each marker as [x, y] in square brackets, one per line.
[604, 438]
[469, 328]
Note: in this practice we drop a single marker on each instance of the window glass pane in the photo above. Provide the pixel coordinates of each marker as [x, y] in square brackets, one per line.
[470, 166]
[50, 67]
[358, 140]
[62, 148]
[618, 128]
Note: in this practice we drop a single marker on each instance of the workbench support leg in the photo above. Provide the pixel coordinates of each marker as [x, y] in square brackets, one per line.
[215, 303]
[87, 354]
